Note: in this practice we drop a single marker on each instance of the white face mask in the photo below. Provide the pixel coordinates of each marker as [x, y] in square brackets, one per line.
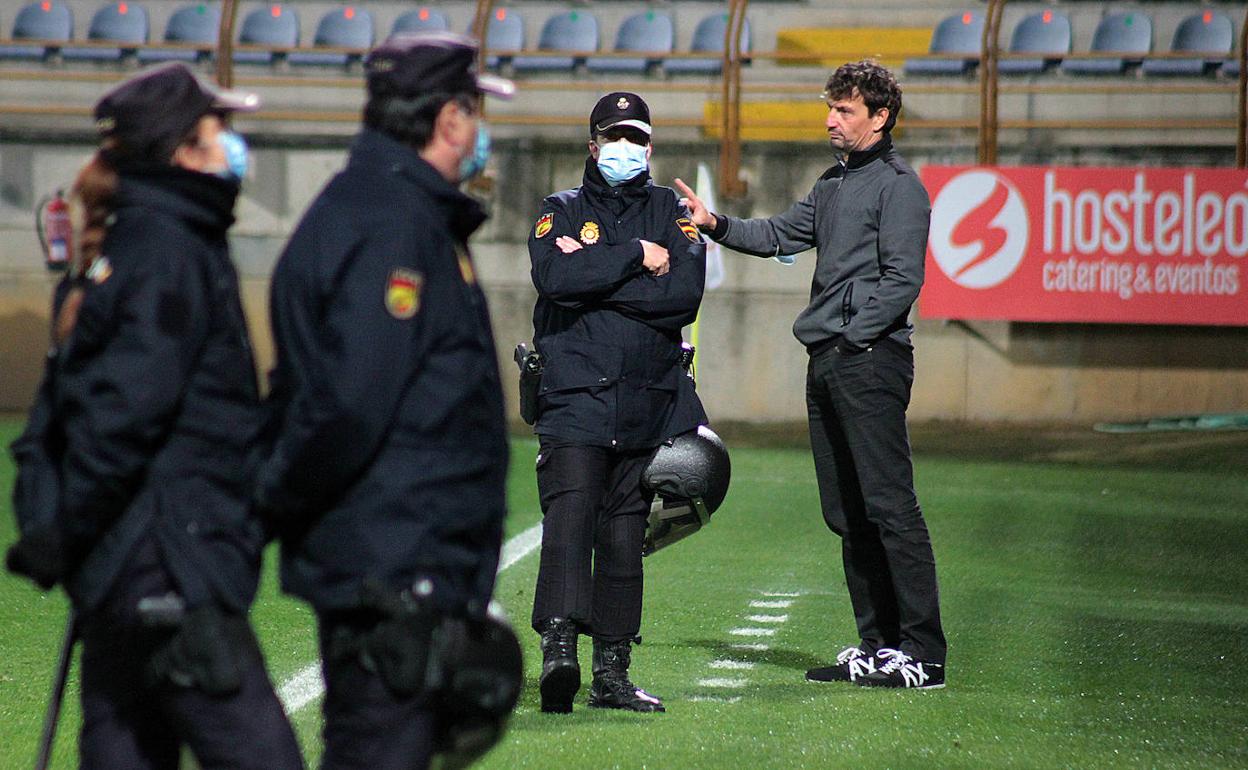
[621, 160]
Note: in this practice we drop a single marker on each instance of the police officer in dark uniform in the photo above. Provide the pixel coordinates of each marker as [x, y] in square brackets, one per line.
[147, 417]
[389, 460]
[619, 270]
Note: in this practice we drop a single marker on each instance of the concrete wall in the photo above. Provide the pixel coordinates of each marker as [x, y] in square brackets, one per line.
[750, 367]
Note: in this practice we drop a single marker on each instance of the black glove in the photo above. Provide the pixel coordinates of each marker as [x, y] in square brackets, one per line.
[39, 555]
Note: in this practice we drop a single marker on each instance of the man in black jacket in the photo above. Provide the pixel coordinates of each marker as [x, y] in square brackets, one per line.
[619, 270]
[387, 474]
[867, 218]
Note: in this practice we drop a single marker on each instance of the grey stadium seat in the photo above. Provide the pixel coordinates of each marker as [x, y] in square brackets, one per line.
[1043, 32]
[40, 20]
[197, 23]
[421, 20]
[348, 27]
[708, 37]
[120, 22]
[271, 25]
[505, 32]
[1208, 32]
[567, 31]
[646, 32]
[960, 33]
[1128, 33]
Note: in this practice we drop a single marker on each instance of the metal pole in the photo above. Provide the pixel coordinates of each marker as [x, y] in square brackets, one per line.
[225, 44]
[1241, 136]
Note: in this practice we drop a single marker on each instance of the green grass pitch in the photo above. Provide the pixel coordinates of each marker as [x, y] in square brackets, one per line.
[1095, 596]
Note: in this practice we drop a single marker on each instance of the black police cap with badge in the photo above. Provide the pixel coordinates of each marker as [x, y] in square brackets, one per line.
[619, 109]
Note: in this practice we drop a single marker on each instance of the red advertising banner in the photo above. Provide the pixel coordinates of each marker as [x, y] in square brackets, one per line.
[1109, 245]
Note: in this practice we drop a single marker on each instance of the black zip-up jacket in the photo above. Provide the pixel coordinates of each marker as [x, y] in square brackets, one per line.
[867, 218]
[156, 393]
[389, 458]
[609, 331]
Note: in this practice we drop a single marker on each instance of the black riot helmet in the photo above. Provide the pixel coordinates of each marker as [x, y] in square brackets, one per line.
[689, 477]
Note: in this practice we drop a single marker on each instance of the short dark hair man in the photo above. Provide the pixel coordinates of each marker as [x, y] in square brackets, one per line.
[867, 218]
[619, 270]
[388, 468]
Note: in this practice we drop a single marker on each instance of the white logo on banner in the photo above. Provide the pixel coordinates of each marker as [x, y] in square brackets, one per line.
[979, 229]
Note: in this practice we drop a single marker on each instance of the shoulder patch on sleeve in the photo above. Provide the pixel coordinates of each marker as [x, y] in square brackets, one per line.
[690, 230]
[403, 293]
[544, 223]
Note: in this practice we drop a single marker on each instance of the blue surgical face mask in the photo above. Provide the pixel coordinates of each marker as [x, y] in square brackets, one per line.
[620, 161]
[235, 155]
[475, 163]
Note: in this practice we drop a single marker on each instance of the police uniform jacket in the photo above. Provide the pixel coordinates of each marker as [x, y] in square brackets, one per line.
[867, 218]
[390, 451]
[155, 392]
[608, 330]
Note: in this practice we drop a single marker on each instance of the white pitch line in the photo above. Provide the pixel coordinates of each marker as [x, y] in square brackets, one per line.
[730, 684]
[307, 684]
[714, 699]
[744, 665]
[753, 647]
[753, 632]
[789, 594]
[768, 618]
[778, 604]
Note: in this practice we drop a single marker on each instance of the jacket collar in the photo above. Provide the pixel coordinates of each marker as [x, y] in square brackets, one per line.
[383, 154]
[204, 201]
[859, 158]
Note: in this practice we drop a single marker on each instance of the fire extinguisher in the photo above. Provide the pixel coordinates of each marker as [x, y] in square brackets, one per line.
[56, 231]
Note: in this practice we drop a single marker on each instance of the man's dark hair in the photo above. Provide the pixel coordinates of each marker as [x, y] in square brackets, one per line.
[874, 83]
[409, 119]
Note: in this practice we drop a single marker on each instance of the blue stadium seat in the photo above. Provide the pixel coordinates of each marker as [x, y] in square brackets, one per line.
[421, 20]
[647, 32]
[505, 32]
[41, 20]
[273, 25]
[708, 37]
[1230, 68]
[120, 22]
[1044, 32]
[960, 33]
[567, 31]
[348, 27]
[1208, 32]
[198, 24]
[1130, 32]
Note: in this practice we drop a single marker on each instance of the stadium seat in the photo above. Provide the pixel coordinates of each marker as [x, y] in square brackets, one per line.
[567, 31]
[1208, 32]
[505, 32]
[273, 25]
[41, 20]
[1130, 32]
[959, 33]
[1044, 32]
[120, 22]
[648, 32]
[198, 24]
[1230, 68]
[348, 27]
[708, 37]
[421, 20]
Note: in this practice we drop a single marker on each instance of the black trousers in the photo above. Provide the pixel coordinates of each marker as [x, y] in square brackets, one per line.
[593, 526]
[857, 412]
[368, 727]
[129, 722]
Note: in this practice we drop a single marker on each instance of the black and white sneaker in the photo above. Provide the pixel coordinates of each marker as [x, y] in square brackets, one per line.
[851, 663]
[897, 669]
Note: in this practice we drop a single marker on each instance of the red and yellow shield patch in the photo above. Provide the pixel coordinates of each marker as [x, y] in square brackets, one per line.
[543, 226]
[403, 293]
[690, 230]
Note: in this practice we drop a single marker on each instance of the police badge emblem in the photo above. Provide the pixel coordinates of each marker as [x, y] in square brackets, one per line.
[590, 233]
[403, 293]
[544, 223]
[690, 230]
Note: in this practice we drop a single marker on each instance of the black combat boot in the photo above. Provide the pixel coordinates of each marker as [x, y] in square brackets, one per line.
[611, 688]
[561, 674]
